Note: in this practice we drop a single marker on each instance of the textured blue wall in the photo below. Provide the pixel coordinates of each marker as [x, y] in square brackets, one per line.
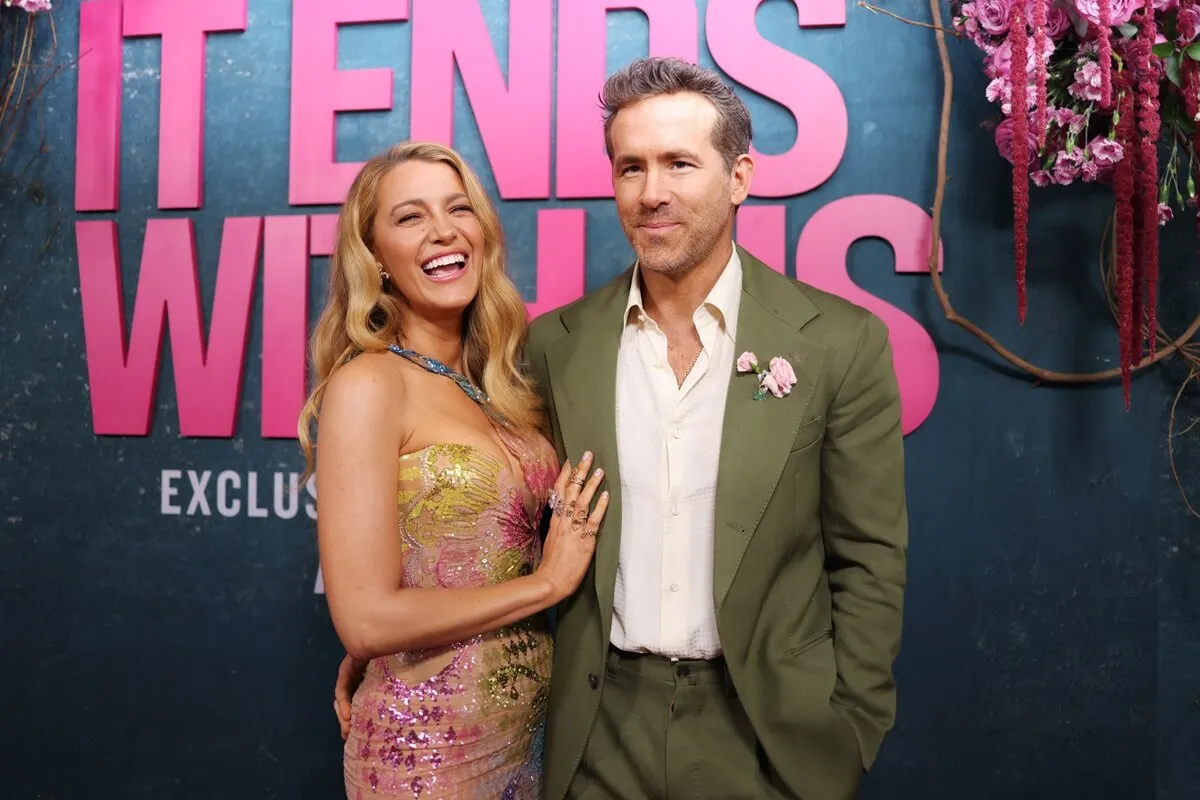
[1052, 644]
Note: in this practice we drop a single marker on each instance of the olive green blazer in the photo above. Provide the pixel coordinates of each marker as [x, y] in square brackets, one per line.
[810, 537]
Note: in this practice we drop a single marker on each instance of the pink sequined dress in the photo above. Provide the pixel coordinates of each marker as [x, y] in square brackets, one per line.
[465, 721]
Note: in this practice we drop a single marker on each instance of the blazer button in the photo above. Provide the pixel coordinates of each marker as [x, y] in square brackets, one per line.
[593, 681]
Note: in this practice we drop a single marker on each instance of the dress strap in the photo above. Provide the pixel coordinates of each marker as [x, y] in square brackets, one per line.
[438, 368]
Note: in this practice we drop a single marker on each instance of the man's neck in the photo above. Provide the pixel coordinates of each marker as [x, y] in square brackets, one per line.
[672, 299]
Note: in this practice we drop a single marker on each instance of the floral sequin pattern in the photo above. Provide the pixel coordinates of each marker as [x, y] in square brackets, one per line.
[464, 721]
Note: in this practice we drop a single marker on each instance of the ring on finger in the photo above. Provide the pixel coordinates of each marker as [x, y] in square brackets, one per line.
[577, 480]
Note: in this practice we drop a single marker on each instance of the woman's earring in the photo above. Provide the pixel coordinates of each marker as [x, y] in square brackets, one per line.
[385, 280]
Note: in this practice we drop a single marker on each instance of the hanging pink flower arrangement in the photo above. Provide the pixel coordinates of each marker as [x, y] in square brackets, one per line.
[1098, 91]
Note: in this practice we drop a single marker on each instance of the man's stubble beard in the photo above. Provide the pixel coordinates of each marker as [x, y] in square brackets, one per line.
[699, 237]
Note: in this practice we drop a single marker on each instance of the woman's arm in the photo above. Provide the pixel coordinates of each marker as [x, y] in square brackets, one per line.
[359, 439]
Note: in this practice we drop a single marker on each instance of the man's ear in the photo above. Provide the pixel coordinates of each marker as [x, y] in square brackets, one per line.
[743, 174]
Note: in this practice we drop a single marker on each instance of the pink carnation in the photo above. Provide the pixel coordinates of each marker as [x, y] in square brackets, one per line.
[1106, 151]
[1088, 80]
[1067, 167]
[1069, 119]
[1165, 214]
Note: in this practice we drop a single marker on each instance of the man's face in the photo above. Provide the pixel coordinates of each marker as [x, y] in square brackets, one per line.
[675, 197]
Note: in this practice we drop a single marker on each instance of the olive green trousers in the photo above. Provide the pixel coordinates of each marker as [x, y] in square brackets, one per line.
[670, 731]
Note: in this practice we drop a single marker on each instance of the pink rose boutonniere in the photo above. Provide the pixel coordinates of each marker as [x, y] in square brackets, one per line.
[777, 379]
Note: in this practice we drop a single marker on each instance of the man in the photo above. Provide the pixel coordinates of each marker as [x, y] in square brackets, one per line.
[736, 634]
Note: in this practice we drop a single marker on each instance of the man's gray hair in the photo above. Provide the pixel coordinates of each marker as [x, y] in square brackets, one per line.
[653, 77]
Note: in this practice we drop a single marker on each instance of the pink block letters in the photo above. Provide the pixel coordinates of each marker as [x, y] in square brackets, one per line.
[320, 89]
[449, 32]
[183, 28]
[821, 261]
[98, 107]
[561, 252]
[799, 85]
[513, 110]
[284, 324]
[762, 230]
[207, 379]
[581, 160]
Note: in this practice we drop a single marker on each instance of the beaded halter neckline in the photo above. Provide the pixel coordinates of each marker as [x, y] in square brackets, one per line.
[438, 368]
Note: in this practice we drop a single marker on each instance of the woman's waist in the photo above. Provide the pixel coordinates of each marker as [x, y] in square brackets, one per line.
[525, 637]
[506, 671]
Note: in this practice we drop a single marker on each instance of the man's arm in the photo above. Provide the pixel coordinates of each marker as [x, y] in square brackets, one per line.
[864, 520]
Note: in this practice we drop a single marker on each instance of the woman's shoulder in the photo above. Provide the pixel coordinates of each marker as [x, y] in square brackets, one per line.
[367, 383]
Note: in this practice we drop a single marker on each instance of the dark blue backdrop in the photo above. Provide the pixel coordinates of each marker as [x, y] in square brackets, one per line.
[1052, 636]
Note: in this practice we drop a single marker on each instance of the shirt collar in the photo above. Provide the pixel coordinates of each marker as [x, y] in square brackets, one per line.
[722, 300]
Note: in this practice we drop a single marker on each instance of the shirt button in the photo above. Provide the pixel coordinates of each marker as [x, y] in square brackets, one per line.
[677, 433]
[593, 681]
[674, 587]
[674, 510]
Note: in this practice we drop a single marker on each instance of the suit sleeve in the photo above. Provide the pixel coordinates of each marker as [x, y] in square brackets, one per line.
[537, 371]
[534, 360]
[865, 527]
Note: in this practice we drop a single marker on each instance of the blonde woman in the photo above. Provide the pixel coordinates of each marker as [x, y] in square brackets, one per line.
[433, 478]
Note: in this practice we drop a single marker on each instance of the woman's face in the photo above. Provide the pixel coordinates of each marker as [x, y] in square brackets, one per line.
[428, 239]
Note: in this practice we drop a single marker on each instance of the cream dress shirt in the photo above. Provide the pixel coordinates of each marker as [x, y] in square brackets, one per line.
[668, 446]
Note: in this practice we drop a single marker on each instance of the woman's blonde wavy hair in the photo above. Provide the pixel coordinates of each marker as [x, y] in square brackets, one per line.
[359, 317]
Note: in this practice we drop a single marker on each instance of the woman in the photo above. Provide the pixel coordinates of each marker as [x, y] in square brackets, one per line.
[432, 479]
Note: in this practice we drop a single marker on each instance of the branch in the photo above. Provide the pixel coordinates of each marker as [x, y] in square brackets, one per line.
[877, 10]
[1171, 436]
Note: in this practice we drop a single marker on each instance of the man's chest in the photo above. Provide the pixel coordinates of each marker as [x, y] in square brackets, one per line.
[668, 437]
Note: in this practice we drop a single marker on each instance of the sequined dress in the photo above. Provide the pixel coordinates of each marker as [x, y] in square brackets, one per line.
[468, 720]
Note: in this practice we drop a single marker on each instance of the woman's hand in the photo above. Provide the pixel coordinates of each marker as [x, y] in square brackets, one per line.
[350, 675]
[571, 541]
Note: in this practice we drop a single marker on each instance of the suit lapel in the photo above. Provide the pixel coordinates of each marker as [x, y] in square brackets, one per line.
[757, 435]
[583, 378]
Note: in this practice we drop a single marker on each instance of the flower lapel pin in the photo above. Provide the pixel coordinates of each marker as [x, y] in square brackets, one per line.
[777, 379]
